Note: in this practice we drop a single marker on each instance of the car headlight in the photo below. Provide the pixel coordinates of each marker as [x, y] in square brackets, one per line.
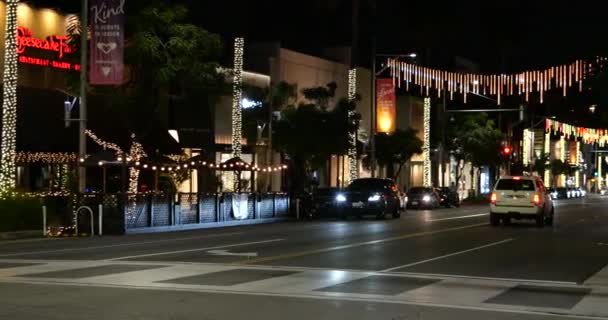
[373, 198]
[340, 198]
[426, 198]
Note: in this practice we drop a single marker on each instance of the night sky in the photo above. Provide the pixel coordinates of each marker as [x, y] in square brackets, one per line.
[501, 36]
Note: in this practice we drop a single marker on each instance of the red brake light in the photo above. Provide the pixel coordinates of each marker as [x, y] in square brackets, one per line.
[493, 198]
[516, 178]
[536, 199]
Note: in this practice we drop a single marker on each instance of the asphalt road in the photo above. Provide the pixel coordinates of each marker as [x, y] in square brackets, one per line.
[441, 264]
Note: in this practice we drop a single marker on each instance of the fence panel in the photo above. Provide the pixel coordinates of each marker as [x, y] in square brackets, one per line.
[266, 206]
[281, 205]
[161, 210]
[189, 208]
[208, 208]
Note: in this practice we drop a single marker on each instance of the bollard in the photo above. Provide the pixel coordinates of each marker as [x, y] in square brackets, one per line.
[44, 221]
[100, 222]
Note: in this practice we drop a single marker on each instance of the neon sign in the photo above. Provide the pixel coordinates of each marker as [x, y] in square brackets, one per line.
[55, 43]
[49, 63]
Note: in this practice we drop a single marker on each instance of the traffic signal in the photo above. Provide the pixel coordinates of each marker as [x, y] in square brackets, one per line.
[506, 150]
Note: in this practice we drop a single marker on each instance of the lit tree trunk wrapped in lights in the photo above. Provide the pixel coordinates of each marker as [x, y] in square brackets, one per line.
[426, 148]
[9, 104]
[237, 92]
[353, 168]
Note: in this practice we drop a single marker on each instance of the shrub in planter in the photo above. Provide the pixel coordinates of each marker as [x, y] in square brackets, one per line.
[19, 214]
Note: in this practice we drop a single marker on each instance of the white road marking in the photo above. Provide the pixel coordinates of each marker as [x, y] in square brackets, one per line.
[193, 250]
[553, 313]
[118, 245]
[448, 255]
[459, 217]
[515, 280]
[228, 253]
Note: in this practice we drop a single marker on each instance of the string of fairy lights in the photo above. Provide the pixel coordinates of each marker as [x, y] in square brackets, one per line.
[587, 135]
[353, 168]
[524, 83]
[45, 157]
[9, 105]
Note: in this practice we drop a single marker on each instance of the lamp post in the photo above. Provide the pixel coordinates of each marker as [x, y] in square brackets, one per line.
[82, 139]
[375, 74]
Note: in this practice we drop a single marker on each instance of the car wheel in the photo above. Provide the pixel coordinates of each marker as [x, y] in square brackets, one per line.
[540, 221]
[494, 219]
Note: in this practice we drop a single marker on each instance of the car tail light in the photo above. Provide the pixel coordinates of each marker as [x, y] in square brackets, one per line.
[536, 199]
[493, 198]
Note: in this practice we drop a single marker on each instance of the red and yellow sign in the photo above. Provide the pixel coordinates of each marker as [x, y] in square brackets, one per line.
[54, 43]
[386, 102]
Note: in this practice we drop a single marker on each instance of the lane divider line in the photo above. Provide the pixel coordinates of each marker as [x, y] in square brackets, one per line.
[459, 217]
[354, 245]
[447, 255]
[193, 250]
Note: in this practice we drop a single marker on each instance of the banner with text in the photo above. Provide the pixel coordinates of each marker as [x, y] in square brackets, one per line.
[385, 106]
[107, 41]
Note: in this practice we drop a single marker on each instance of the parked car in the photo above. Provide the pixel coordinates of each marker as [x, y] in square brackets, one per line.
[369, 196]
[582, 192]
[422, 197]
[448, 197]
[324, 201]
[574, 193]
[521, 197]
[561, 193]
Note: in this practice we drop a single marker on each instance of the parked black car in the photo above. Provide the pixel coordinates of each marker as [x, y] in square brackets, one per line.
[448, 197]
[369, 196]
[422, 197]
[324, 202]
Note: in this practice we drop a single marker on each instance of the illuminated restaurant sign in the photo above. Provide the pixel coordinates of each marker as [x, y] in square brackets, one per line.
[54, 43]
[51, 43]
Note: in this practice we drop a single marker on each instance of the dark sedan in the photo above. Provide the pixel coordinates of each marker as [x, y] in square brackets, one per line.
[324, 201]
[448, 197]
[422, 197]
[369, 196]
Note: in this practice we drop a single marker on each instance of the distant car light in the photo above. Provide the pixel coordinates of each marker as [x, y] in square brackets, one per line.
[340, 198]
[493, 198]
[426, 198]
[374, 198]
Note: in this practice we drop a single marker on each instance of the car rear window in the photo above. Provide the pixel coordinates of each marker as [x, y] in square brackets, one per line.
[512, 184]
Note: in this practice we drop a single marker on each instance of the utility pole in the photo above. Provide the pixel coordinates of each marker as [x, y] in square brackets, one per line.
[82, 139]
[372, 134]
[270, 110]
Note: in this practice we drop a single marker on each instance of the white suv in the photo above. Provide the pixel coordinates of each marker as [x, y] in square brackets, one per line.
[521, 197]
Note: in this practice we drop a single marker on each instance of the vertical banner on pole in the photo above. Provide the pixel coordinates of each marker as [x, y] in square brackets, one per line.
[107, 42]
[385, 106]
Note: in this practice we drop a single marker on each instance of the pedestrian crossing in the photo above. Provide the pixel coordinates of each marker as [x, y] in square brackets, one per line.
[389, 287]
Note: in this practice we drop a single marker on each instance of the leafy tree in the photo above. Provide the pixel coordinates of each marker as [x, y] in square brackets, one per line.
[541, 164]
[475, 138]
[311, 132]
[166, 58]
[397, 148]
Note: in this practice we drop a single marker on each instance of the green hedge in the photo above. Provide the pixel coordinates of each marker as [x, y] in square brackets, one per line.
[19, 214]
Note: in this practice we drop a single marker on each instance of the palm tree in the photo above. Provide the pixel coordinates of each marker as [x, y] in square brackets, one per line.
[9, 105]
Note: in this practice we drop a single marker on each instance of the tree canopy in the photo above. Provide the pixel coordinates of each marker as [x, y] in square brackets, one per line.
[397, 148]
